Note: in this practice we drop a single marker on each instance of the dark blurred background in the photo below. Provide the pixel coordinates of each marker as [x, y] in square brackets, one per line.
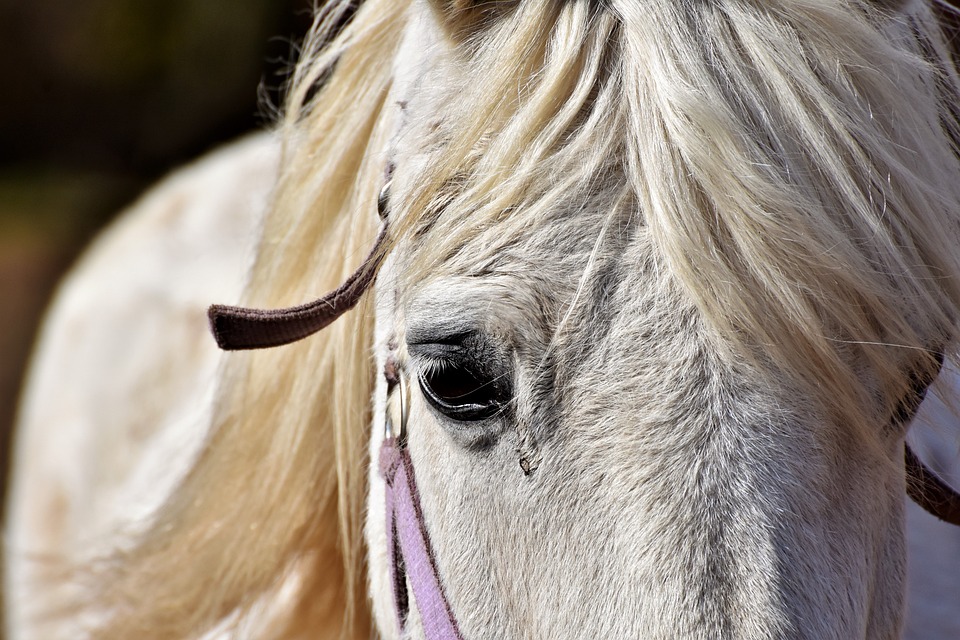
[99, 98]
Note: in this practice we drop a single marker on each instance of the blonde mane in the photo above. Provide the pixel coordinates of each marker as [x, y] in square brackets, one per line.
[794, 163]
[277, 492]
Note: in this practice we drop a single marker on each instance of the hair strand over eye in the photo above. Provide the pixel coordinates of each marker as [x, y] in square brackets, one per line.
[460, 394]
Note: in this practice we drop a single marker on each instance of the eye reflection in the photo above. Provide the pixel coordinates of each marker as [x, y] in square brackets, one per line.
[460, 394]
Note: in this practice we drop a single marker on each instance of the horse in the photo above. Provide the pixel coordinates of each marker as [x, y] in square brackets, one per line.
[657, 293]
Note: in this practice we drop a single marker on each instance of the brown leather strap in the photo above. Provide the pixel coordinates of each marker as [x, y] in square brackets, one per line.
[930, 492]
[924, 486]
[238, 328]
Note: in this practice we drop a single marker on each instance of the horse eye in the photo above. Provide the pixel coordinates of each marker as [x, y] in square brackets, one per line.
[383, 200]
[460, 394]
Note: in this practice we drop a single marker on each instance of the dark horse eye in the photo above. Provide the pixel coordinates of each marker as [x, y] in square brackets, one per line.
[460, 394]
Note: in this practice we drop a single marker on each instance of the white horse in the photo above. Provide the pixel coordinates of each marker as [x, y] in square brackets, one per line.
[657, 284]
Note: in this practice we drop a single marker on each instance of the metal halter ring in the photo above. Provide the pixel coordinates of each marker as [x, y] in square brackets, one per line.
[397, 411]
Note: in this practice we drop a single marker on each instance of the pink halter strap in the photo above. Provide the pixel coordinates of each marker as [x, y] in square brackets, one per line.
[409, 549]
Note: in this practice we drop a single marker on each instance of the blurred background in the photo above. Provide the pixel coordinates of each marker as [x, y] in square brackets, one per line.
[99, 99]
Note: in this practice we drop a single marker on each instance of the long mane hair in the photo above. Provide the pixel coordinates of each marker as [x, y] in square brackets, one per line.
[794, 162]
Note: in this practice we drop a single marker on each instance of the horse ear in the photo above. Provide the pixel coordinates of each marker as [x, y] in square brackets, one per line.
[463, 18]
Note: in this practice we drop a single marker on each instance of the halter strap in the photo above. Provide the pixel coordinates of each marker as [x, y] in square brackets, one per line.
[238, 328]
[409, 549]
[930, 492]
[924, 486]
